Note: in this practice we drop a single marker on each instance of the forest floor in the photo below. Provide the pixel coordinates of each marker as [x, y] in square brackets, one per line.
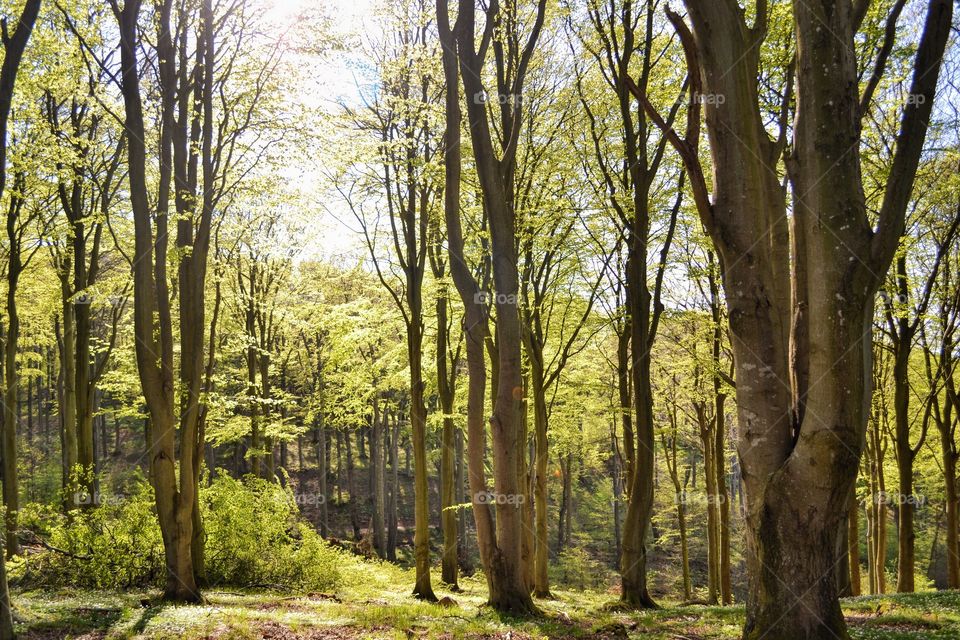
[378, 605]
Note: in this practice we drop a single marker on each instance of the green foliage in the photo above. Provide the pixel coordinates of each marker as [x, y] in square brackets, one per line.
[577, 569]
[254, 539]
[114, 545]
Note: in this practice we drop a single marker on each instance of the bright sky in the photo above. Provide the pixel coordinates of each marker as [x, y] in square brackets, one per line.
[327, 81]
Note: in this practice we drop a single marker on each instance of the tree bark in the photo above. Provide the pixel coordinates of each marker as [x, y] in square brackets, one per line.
[795, 432]
[853, 546]
[376, 470]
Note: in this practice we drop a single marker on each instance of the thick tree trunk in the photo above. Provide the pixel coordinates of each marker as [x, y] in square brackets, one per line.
[502, 551]
[802, 369]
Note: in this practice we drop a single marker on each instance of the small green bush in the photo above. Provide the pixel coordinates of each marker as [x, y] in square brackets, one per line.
[115, 545]
[575, 568]
[254, 538]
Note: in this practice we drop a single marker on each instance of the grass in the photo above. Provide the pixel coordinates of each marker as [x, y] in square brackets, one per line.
[375, 603]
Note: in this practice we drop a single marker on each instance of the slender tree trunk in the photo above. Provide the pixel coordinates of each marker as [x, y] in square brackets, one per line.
[352, 487]
[339, 466]
[68, 406]
[617, 477]
[322, 472]
[376, 468]
[853, 546]
[392, 524]
[418, 421]
[448, 514]
[626, 404]
[541, 578]
[906, 536]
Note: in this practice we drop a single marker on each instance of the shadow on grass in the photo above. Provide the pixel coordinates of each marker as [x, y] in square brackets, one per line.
[146, 615]
[71, 621]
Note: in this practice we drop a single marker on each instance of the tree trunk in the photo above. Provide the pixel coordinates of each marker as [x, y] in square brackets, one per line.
[953, 522]
[709, 471]
[617, 477]
[376, 470]
[500, 550]
[322, 472]
[392, 506]
[684, 556]
[418, 426]
[801, 304]
[445, 389]
[853, 546]
[11, 389]
[906, 536]
[541, 587]
[68, 406]
[352, 487]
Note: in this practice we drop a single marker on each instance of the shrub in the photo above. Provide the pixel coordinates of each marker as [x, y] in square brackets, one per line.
[575, 568]
[115, 545]
[254, 538]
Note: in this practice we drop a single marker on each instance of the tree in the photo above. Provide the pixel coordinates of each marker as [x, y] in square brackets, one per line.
[615, 40]
[904, 313]
[13, 47]
[183, 131]
[502, 31]
[447, 358]
[88, 180]
[400, 118]
[801, 363]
